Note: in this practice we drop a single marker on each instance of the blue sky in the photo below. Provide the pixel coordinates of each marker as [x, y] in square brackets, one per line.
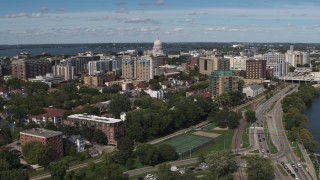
[103, 21]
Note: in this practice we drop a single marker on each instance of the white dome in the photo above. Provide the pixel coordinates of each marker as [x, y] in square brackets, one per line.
[157, 44]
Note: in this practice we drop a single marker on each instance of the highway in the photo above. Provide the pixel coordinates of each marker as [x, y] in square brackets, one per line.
[276, 131]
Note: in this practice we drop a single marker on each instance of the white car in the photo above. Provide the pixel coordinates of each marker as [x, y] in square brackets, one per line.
[299, 165]
[149, 176]
[262, 150]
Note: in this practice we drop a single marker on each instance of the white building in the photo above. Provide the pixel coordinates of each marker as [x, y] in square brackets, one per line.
[98, 67]
[155, 94]
[253, 90]
[294, 58]
[276, 62]
[237, 62]
[49, 79]
[78, 142]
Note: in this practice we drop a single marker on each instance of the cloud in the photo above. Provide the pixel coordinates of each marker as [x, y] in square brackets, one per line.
[138, 20]
[23, 15]
[178, 29]
[225, 29]
[121, 3]
[44, 9]
[193, 14]
[160, 2]
[156, 3]
[122, 11]
[61, 10]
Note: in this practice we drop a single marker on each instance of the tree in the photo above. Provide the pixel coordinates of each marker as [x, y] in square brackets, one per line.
[167, 152]
[259, 168]
[50, 125]
[250, 116]
[87, 132]
[91, 166]
[148, 154]
[58, 169]
[291, 68]
[100, 137]
[4, 165]
[5, 135]
[12, 159]
[36, 153]
[226, 118]
[221, 163]
[113, 89]
[16, 174]
[164, 173]
[119, 103]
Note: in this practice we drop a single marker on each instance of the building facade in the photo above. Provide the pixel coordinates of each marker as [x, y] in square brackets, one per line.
[222, 82]
[238, 62]
[66, 70]
[113, 128]
[24, 69]
[253, 90]
[52, 139]
[137, 68]
[256, 69]
[53, 115]
[276, 62]
[208, 64]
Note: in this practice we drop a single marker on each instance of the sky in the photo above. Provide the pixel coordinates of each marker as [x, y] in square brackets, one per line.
[115, 21]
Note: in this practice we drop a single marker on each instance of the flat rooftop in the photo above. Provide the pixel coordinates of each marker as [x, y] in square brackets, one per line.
[40, 132]
[94, 118]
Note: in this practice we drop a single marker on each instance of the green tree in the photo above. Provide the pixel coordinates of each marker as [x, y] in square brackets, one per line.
[259, 168]
[221, 163]
[148, 154]
[291, 68]
[100, 137]
[250, 116]
[4, 165]
[58, 169]
[119, 103]
[164, 173]
[14, 174]
[113, 89]
[5, 135]
[91, 166]
[226, 118]
[167, 152]
[10, 158]
[36, 153]
[50, 125]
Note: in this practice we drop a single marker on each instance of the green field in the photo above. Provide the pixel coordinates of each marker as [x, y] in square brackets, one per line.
[187, 143]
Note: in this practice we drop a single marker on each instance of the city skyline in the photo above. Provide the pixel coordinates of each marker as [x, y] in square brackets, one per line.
[112, 21]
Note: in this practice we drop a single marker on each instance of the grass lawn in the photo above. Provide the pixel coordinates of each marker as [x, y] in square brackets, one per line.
[272, 147]
[297, 150]
[245, 137]
[255, 151]
[283, 172]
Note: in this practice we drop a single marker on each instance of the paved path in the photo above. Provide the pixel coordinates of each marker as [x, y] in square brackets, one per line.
[308, 162]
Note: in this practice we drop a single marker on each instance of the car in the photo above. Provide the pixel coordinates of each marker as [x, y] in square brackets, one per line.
[293, 175]
[289, 171]
[299, 165]
[293, 165]
[261, 125]
[265, 156]
[286, 167]
[282, 163]
[296, 169]
[149, 176]
[258, 135]
[268, 151]
[262, 150]
[259, 140]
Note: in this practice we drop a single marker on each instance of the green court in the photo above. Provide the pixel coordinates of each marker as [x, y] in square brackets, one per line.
[187, 143]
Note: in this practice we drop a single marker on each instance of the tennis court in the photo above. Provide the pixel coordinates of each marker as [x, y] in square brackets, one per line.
[187, 143]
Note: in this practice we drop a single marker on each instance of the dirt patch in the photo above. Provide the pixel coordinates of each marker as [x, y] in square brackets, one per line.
[218, 128]
[206, 134]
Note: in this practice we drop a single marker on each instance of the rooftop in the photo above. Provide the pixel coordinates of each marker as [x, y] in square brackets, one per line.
[40, 132]
[94, 118]
[50, 112]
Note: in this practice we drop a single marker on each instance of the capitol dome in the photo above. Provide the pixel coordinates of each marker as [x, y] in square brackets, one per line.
[157, 47]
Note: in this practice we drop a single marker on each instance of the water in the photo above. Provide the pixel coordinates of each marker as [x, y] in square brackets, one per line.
[313, 113]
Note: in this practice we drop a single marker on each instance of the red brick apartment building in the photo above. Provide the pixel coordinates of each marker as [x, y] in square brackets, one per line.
[256, 69]
[53, 140]
[113, 128]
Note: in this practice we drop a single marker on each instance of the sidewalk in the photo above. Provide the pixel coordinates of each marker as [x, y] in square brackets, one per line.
[308, 162]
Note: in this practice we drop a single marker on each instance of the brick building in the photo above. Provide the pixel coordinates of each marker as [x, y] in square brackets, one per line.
[113, 128]
[24, 69]
[53, 140]
[223, 82]
[256, 69]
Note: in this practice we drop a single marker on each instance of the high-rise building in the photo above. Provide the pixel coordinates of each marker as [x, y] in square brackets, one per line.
[140, 68]
[276, 62]
[237, 62]
[98, 67]
[81, 62]
[66, 70]
[297, 58]
[223, 82]
[256, 69]
[52, 139]
[24, 69]
[208, 64]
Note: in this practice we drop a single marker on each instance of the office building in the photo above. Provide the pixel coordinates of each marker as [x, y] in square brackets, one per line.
[223, 82]
[256, 69]
[276, 62]
[208, 64]
[113, 128]
[52, 139]
[297, 58]
[99, 67]
[237, 62]
[65, 70]
[140, 68]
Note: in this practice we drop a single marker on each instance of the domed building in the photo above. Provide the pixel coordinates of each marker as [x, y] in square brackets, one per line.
[157, 48]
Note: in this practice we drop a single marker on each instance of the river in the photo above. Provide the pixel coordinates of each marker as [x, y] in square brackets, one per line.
[313, 113]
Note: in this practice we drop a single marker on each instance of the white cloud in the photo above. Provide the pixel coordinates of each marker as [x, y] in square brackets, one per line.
[44, 9]
[178, 29]
[138, 20]
[122, 11]
[160, 2]
[156, 3]
[23, 15]
[225, 29]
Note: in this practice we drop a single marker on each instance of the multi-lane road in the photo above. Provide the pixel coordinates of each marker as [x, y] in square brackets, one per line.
[276, 131]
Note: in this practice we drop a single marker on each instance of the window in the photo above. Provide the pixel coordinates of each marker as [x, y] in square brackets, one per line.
[205, 65]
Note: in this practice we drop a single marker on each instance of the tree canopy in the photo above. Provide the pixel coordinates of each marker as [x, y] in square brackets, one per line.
[259, 168]
[36, 153]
